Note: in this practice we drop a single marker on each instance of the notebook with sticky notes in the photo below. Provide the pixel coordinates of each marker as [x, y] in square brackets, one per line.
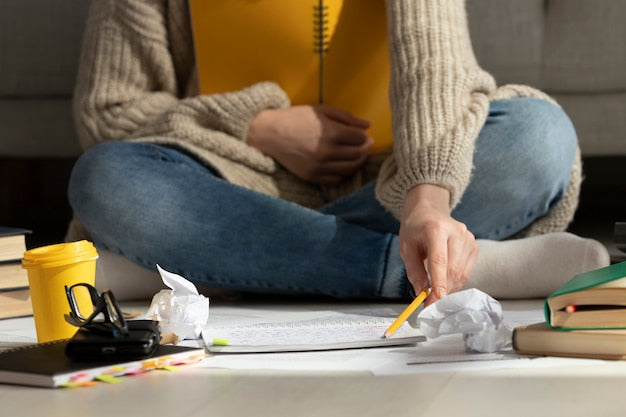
[340, 331]
[46, 365]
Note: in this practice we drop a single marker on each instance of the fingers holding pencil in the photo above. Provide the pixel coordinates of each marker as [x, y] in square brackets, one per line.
[407, 313]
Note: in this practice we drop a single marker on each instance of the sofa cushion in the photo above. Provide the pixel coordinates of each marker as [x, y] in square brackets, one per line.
[508, 38]
[599, 121]
[560, 46]
[584, 46]
[40, 127]
[39, 46]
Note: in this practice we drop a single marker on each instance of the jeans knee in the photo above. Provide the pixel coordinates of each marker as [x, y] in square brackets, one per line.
[523, 161]
[91, 176]
[548, 139]
[551, 126]
[78, 189]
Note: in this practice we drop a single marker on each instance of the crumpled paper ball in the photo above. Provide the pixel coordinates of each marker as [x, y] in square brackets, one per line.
[471, 312]
[180, 310]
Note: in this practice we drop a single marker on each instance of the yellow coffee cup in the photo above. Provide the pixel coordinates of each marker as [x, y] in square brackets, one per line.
[50, 269]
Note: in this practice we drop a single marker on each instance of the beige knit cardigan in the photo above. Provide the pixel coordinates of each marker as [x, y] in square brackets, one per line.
[137, 81]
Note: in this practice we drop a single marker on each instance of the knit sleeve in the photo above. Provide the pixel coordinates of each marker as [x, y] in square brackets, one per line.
[128, 86]
[439, 99]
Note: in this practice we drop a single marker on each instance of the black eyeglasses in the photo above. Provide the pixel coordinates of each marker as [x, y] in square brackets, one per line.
[104, 315]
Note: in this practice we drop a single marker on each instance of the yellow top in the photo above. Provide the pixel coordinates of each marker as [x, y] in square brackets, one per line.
[330, 51]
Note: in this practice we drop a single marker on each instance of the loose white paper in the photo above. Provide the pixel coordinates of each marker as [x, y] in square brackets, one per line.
[181, 310]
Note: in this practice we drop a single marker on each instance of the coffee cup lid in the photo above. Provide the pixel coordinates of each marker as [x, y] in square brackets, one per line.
[59, 254]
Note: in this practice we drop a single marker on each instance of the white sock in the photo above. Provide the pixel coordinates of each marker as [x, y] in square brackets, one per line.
[534, 267]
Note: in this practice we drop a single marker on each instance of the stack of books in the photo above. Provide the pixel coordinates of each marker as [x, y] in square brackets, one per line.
[14, 291]
[586, 317]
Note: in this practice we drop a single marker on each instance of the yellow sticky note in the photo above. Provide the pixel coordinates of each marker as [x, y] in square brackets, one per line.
[220, 342]
[108, 379]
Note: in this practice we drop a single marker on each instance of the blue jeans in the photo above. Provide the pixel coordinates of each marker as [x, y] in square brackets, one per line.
[154, 204]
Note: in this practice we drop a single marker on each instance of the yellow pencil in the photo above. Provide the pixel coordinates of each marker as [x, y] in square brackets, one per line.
[407, 312]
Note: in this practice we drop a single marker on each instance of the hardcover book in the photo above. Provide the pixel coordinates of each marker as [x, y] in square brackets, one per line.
[14, 292]
[12, 243]
[540, 339]
[15, 303]
[592, 300]
[12, 275]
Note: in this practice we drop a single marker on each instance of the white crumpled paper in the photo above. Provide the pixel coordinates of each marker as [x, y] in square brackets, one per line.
[181, 310]
[474, 314]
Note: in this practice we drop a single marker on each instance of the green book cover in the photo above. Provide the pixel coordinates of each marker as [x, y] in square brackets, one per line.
[586, 280]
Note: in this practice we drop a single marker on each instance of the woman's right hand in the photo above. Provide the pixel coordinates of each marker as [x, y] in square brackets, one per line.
[437, 250]
[319, 144]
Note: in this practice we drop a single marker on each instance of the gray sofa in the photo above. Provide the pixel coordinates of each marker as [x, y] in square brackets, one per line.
[39, 46]
[572, 49]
